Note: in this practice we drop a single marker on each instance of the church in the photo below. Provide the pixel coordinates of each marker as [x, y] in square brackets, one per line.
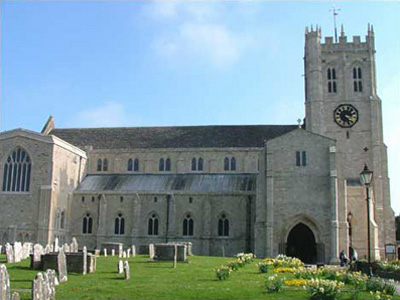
[265, 189]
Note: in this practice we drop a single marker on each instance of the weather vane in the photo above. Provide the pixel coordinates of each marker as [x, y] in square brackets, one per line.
[335, 10]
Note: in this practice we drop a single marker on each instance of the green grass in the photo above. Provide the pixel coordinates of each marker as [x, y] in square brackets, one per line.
[158, 280]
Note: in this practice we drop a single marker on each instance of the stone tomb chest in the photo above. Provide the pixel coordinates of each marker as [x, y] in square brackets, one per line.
[166, 251]
[76, 262]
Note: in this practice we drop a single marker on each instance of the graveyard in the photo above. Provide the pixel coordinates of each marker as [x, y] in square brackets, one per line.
[119, 274]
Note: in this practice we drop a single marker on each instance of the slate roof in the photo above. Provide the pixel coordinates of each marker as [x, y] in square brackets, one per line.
[225, 183]
[172, 137]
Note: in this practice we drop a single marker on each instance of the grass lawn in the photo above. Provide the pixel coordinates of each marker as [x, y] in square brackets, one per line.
[158, 280]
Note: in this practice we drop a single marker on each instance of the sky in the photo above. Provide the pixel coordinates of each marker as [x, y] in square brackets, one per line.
[163, 63]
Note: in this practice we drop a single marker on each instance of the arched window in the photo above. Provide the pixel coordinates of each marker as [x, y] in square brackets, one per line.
[119, 227]
[130, 164]
[87, 224]
[233, 164]
[62, 220]
[152, 228]
[136, 165]
[331, 76]
[17, 172]
[200, 164]
[161, 164]
[357, 82]
[105, 164]
[223, 226]
[168, 165]
[226, 164]
[99, 164]
[194, 163]
[188, 225]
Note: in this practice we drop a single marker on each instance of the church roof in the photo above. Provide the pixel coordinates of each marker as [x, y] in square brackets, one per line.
[226, 183]
[244, 136]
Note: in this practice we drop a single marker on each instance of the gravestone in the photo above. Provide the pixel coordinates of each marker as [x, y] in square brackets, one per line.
[151, 251]
[91, 263]
[128, 253]
[74, 245]
[56, 246]
[97, 252]
[84, 267]
[124, 254]
[9, 253]
[105, 252]
[51, 248]
[17, 252]
[127, 270]
[120, 249]
[26, 250]
[40, 288]
[15, 296]
[4, 283]
[50, 291]
[175, 255]
[133, 247]
[112, 252]
[62, 267]
[120, 267]
[1, 247]
[37, 256]
[67, 248]
[47, 249]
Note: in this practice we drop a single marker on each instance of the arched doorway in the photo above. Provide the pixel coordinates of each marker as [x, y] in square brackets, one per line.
[301, 244]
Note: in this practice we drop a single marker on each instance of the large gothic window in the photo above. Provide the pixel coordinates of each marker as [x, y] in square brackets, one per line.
[167, 164]
[194, 164]
[230, 164]
[188, 225]
[161, 165]
[136, 164]
[226, 164]
[17, 172]
[87, 224]
[119, 224]
[223, 226]
[200, 164]
[130, 164]
[152, 228]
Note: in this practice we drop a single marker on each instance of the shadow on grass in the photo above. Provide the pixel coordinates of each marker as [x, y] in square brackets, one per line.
[20, 280]
[23, 268]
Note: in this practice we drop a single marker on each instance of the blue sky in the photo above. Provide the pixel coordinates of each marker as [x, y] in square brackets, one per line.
[144, 63]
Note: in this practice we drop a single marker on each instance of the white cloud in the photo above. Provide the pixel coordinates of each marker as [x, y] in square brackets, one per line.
[197, 32]
[110, 114]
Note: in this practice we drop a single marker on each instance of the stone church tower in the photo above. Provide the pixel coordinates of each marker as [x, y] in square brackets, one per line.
[342, 103]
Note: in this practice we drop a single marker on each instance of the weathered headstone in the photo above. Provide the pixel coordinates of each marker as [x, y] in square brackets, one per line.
[124, 254]
[128, 253]
[112, 252]
[84, 268]
[40, 288]
[127, 270]
[91, 263]
[50, 277]
[151, 251]
[37, 255]
[62, 267]
[15, 296]
[4, 283]
[1, 247]
[120, 267]
[105, 252]
[120, 249]
[67, 249]
[26, 250]
[17, 252]
[133, 247]
[9, 253]
[74, 245]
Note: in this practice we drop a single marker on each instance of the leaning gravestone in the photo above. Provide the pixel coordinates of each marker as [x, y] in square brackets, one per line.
[9, 253]
[133, 247]
[151, 251]
[127, 270]
[120, 267]
[84, 268]
[4, 283]
[62, 267]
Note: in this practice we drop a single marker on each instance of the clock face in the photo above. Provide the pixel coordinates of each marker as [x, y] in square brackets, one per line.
[345, 115]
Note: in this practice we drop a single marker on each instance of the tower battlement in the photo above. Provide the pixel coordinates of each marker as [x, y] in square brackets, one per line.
[343, 44]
